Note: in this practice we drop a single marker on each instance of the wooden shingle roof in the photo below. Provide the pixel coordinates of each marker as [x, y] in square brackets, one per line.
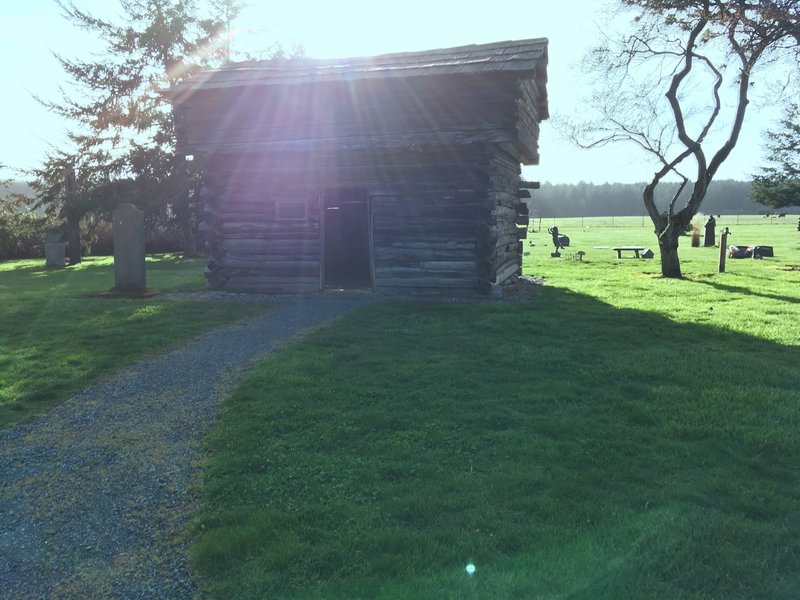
[526, 58]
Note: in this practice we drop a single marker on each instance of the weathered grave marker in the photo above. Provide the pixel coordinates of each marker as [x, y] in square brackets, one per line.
[54, 254]
[723, 249]
[710, 226]
[129, 269]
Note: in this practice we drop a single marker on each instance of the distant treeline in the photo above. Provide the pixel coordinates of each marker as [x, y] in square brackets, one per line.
[20, 187]
[607, 200]
[622, 199]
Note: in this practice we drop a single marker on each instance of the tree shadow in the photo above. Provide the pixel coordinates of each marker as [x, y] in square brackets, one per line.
[615, 449]
[735, 289]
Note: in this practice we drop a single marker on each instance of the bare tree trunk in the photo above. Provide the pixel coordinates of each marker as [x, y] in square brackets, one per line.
[73, 216]
[182, 208]
[668, 246]
[668, 227]
[74, 238]
[189, 242]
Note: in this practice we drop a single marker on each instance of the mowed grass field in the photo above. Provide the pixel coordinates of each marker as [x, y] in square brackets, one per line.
[738, 300]
[57, 336]
[619, 436]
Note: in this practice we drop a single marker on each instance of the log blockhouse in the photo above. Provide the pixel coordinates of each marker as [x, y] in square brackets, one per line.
[397, 173]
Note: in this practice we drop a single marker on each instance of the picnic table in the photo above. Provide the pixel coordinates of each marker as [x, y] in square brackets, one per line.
[635, 249]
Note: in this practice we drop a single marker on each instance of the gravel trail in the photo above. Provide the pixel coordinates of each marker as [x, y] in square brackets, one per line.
[96, 495]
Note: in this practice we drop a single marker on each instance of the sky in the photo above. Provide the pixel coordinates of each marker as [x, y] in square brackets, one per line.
[34, 29]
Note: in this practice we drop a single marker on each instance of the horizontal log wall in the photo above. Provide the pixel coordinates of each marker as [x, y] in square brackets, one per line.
[425, 235]
[425, 242]
[527, 123]
[500, 253]
[451, 223]
[438, 156]
[254, 245]
[370, 113]
[425, 227]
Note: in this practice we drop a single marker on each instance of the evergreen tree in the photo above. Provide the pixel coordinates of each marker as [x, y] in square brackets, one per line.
[122, 125]
[779, 184]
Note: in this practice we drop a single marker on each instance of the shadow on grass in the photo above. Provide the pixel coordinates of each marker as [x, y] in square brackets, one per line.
[96, 275]
[57, 336]
[735, 289]
[38, 267]
[566, 447]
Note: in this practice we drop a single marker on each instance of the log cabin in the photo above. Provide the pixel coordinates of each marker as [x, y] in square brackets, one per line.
[397, 173]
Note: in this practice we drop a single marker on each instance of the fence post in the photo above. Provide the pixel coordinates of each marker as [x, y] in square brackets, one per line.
[723, 249]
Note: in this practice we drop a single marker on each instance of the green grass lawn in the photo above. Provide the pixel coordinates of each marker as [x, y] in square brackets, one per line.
[57, 336]
[621, 436]
[755, 297]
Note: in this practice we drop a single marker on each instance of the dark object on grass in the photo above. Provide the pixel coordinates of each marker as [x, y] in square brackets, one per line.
[647, 253]
[559, 241]
[555, 254]
[750, 251]
[737, 252]
[710, 230]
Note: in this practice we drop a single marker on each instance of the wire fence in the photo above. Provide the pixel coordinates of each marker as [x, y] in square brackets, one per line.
[538, 223]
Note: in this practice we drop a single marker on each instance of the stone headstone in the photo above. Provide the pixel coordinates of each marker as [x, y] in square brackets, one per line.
[54, 255]
[129, 270]
[710, 226]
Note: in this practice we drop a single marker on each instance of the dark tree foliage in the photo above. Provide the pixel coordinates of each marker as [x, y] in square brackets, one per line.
[121, 145]
[20, 228]
[779, 184]
[664, 89]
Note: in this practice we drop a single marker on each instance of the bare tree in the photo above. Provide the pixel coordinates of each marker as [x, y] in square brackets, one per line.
[677, 85]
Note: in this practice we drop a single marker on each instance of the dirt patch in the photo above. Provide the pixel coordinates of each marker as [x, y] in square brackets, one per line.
[522, 289]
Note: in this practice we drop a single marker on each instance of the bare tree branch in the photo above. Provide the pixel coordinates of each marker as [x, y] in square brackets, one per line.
[650, 93]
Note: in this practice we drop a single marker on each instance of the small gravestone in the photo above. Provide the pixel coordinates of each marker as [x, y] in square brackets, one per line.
[129, 271]
[710, 228]
[54, 255]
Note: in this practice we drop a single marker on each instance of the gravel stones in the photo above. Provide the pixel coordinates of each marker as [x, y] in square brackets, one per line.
[96, 495]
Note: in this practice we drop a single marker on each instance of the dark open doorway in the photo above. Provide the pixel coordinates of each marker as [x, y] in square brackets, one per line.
[347, 260]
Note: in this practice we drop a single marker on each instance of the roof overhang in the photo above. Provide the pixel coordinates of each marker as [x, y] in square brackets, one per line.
[526, 59]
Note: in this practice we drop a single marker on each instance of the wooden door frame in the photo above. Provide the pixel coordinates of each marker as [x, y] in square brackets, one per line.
[371, 242]
[321, 200]
[321, 197]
